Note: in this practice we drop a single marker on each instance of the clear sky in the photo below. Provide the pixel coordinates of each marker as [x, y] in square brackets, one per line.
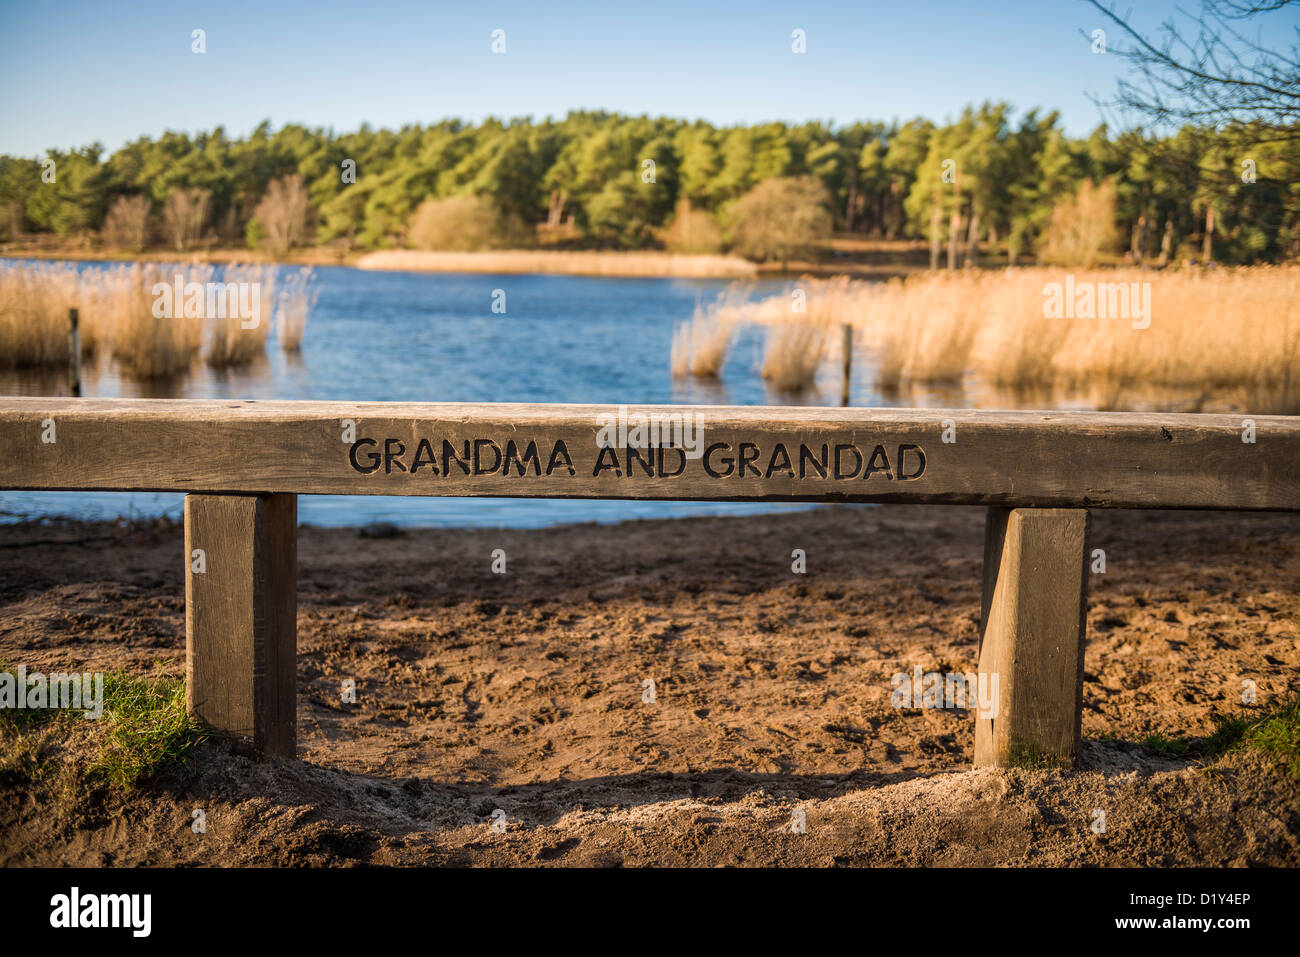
[74, 72]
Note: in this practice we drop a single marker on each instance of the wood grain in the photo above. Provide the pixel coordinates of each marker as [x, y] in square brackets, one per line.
[1009, 459]
[1032, 634]
[241, 617]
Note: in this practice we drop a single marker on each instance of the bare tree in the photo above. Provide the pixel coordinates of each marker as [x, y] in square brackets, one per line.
[127, 223]
[282, 214]
[780, 219]
[184, 214]
[14, 209]
[1207, 68]
[1082, 229]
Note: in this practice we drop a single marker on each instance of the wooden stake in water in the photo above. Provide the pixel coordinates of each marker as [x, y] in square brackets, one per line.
[75, 342]
[848, 364]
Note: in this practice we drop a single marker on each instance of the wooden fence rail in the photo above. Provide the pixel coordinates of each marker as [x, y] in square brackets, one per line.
[243, 464]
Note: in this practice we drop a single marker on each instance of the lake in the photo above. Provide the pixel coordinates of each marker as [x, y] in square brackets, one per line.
[433, 337]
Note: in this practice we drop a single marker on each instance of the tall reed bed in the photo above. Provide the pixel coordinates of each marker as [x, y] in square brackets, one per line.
[145, 345]
[121, 312]
[901, 321]
[798, 343]
[236, 340]
[297, 299]
[799, 331]
[1210, 332]
[34, 324]
[700, 344]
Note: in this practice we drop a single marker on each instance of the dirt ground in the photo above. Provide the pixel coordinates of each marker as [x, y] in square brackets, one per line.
[522, 693]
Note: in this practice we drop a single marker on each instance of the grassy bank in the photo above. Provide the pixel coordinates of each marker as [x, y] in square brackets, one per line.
[144, 731]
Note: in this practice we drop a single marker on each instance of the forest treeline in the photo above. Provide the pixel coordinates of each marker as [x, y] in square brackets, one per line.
[990, 183]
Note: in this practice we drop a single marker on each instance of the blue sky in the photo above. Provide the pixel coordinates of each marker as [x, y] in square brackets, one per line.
[78, 72]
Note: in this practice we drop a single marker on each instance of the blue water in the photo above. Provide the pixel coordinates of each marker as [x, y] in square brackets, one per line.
[391, 336]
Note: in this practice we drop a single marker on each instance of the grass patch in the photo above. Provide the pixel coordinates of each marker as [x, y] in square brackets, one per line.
[144, 730]
[1030, 757]
[148, 728]
[1276, 735]
[1173, 746]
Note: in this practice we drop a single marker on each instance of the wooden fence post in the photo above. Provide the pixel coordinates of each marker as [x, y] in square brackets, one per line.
[846, 371]
[241, 630]
[74, 348]
[1032, 632]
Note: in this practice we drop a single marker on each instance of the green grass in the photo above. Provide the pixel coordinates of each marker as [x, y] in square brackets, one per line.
[1174, 746]
[1276, 735]
[143, 731]
[148, 728]
[1027, 755]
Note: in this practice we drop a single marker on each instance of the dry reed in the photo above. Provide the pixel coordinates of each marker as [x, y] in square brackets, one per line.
[297, 299]
[802, 323]
[148, 336]
[34, 323]
[700, 345]
[793, 354]
[1210, 332]
[233, 340]
[147, 345]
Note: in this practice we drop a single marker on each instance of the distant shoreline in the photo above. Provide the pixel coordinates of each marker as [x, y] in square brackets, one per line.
[608, 263]
[521, 261]
[306, 257]
[572, 263]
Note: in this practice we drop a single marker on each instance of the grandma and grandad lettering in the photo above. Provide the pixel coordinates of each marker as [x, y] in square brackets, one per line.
[448, 459]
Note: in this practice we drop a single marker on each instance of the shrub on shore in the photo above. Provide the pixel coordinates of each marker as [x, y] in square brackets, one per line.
[780, 219]
[461, 224]
[184, 215]
[692, 231]
[1082, 228]
[126, 227]
[281, 216]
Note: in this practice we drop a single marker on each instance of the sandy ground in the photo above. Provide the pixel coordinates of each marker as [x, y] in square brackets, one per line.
[565, 262]
[522, 693]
